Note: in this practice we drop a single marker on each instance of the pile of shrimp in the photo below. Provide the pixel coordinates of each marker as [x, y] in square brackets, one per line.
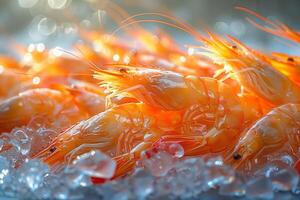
[219, 97]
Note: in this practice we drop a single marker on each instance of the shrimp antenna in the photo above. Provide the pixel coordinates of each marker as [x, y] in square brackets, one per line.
[277, 27]
[93, 66]
[90, 63]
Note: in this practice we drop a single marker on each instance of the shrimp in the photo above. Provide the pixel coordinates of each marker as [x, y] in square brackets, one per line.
[278, 131]
[19, 110]
[211, 116]
[252, 70]
[275, 27]
[116, 131]
[168, 90]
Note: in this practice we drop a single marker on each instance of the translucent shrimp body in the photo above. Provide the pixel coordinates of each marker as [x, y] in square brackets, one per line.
[19, 110]
[253, 70]
[116, 131]
[278, 131]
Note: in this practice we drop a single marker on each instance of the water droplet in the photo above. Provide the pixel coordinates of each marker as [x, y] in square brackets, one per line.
[46, 26]
[176, 150]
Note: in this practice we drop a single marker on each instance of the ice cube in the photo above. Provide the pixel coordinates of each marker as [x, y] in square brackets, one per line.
[75, 178]
[119, 190]
[285, 180]
[211, 160]
[60, 192]
[268, 170]
[4, 170]
[259, 187]
[32, 174]
[217, 175]
[235, 188]
[96, 164]
[142, 183]
[159, 163]
[192, 173]
[20, 141]
[43, 192]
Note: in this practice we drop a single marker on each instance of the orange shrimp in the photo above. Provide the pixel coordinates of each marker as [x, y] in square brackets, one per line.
[252, 70]
[278, 131]
[57, 106]
[211, 115]
[275, 27]
[168, 90]
[116, 131]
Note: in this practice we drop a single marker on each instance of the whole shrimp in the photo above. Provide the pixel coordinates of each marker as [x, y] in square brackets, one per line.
[19, 110]
[252, 70]
[210, 115]
[278, 131]
[116, 131]
[167, 90]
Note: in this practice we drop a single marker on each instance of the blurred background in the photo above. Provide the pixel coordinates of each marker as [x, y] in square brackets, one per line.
[56, 22]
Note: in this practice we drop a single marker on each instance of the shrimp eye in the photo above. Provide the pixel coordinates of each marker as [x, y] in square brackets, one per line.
[234, 46]
[236, 156]
[290, 59]
[123, 70]
[52, 149]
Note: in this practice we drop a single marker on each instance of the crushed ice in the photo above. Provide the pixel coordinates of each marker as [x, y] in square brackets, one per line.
[161, 173]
